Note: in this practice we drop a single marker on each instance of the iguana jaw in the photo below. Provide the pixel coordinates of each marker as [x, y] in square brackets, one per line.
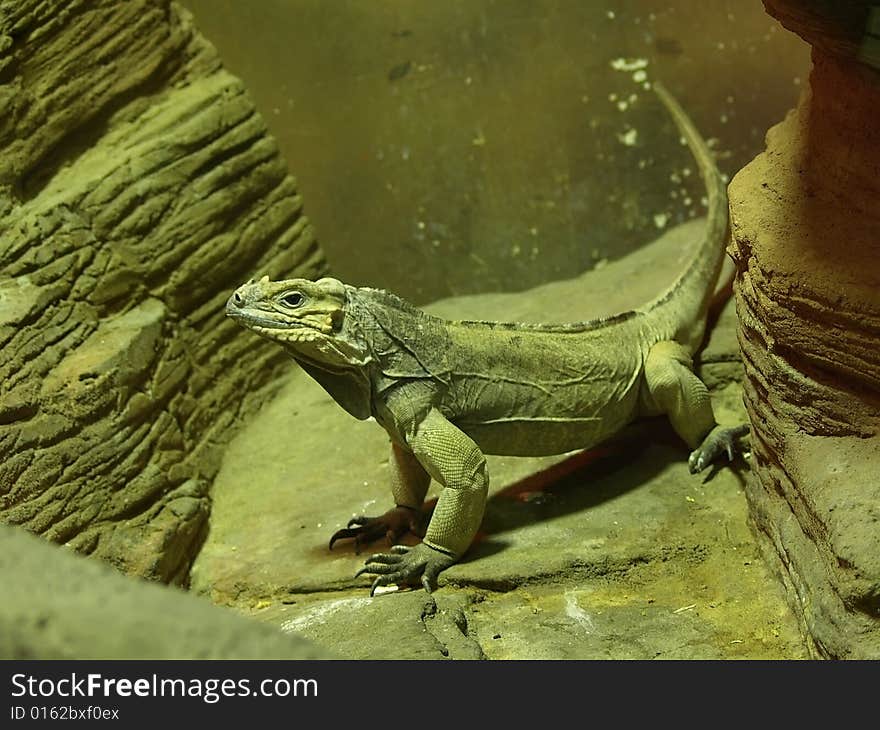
[305, 317]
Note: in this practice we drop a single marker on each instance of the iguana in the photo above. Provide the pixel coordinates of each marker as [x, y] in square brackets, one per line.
[448, 392]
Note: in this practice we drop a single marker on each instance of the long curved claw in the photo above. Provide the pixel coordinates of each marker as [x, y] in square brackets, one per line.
[405, 565]
[719, 441]
[365, 532]
[393, 524]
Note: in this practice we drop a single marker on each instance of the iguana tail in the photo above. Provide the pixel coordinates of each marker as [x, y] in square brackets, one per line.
[680, 312]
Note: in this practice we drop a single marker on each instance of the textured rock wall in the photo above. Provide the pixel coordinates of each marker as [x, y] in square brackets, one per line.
[806, 243]
[137, 186]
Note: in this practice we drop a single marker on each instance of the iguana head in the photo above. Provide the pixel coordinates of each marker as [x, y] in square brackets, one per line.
[305, 317]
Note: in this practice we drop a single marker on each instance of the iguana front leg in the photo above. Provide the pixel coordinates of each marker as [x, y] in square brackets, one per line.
[409, 484]
[456, 462]
[675, 390]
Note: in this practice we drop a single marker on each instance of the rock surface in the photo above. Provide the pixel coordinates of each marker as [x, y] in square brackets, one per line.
[839, 28]
[138, 186]
[617, 552]
[805, 222]
[67, 607]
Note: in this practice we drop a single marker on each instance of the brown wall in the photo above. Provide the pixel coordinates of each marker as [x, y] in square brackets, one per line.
[471, 145]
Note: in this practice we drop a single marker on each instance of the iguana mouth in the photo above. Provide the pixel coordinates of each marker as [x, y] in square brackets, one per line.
[275, 330]
[266, 325]
[301, 333]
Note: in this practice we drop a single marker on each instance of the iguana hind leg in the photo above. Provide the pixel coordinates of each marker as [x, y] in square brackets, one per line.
[674, 389]
[409, 484]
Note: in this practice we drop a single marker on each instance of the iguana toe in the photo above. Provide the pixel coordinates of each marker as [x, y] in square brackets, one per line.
[406, 565]
[719, 441]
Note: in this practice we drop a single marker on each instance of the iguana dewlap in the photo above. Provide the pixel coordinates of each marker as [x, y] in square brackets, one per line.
[448, 392]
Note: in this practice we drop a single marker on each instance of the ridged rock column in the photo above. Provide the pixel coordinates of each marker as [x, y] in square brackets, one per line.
[806, 230]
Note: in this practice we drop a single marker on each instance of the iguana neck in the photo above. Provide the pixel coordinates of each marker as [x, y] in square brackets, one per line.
[404, 342]
[349, 387]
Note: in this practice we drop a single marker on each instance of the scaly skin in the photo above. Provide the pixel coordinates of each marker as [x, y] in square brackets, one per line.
[449, 392]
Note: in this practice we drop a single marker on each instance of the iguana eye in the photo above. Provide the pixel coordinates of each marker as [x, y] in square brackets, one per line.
[293, 300]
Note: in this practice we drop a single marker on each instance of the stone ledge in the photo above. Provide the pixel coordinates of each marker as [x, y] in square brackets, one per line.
[67, 607]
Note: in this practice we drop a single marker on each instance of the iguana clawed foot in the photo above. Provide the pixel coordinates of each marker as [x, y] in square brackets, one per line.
[393, 524]
[719, 441]
[405, 564]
